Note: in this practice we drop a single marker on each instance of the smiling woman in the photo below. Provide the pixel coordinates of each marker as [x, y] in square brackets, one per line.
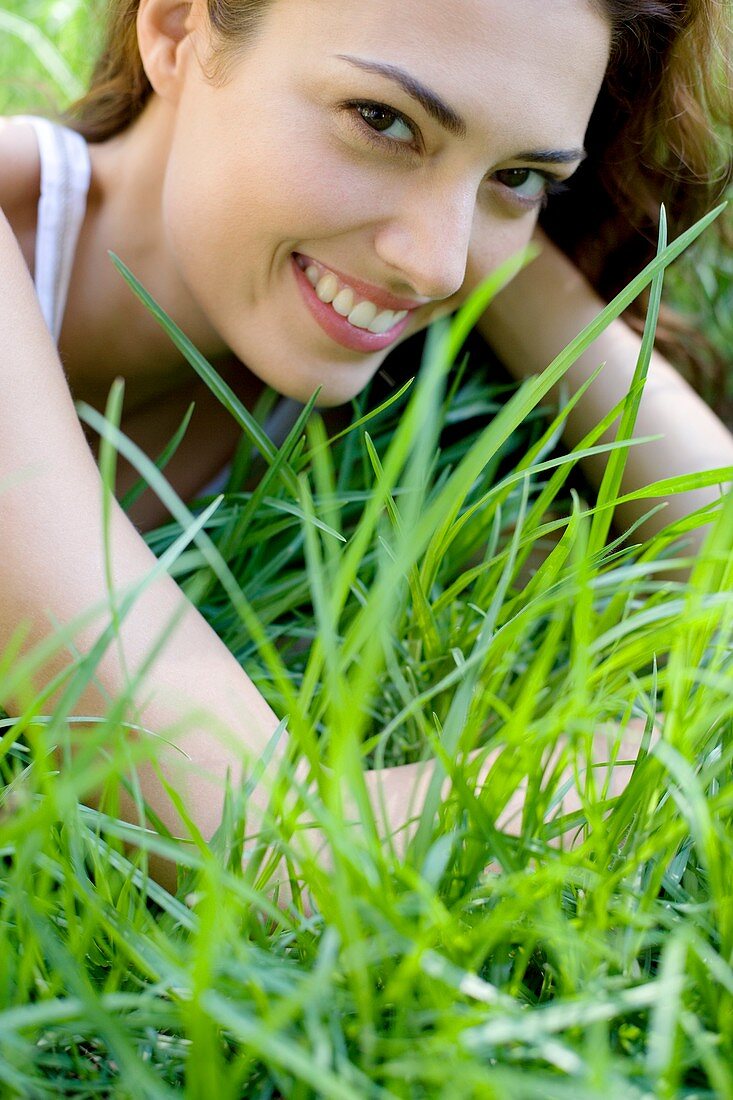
[660, 131]
[314, 142]
[302, 185]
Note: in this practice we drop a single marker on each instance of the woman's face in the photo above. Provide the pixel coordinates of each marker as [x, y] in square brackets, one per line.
[390, 154]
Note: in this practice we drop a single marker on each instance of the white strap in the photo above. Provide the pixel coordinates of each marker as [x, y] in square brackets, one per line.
[65, 177]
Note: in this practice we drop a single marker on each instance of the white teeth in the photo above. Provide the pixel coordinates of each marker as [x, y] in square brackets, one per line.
[383, 322]
[344, 301]
[327, 288]
[387, 320]
[363, 315]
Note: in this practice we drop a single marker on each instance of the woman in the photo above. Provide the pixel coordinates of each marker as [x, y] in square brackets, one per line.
[302, 185]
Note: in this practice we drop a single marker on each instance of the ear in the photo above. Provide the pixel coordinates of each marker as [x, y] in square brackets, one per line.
[164, 32]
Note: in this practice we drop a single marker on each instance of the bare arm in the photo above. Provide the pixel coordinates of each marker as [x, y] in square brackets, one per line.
[539, 313]
[52, 566]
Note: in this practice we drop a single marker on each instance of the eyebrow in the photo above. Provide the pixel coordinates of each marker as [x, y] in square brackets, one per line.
[445, 116]
[449, 119]
[553, 156]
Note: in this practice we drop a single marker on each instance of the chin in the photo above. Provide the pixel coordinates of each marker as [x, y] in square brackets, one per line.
[337, 384]
[329, 396]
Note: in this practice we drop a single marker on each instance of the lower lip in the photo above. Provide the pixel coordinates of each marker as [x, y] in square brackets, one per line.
[338, 328]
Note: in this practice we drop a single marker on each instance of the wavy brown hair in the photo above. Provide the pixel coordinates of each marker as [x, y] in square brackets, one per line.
[661, 131]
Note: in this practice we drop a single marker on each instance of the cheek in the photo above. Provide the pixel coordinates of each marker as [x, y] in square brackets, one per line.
[316, 188]
[264, 194]
[493, 242]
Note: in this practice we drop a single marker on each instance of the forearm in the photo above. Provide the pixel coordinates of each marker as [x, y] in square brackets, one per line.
[398, 794]
[52, 576]
[538, 314]
[205, 718]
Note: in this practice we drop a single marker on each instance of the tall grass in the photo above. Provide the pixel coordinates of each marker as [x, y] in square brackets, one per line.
[434, 581]
[380, 590]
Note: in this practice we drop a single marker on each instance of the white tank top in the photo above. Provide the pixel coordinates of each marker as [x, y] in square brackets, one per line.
[65, 177]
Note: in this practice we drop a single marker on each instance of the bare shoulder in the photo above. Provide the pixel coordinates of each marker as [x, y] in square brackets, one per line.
[20, 169]
[20, 183]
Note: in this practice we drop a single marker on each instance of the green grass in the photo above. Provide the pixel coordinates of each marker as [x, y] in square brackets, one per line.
[377, 588]
[46, 52]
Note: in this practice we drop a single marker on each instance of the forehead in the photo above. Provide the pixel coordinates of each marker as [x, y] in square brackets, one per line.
[499, 63]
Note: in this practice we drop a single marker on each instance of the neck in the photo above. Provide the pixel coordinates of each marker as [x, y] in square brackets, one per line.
[125, 212]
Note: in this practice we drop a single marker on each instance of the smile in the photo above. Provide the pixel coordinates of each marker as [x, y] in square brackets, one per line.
[359, 312]
[348, 316]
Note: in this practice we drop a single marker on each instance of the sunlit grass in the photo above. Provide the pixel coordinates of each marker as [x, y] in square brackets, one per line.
[380, 595]
[385, 593]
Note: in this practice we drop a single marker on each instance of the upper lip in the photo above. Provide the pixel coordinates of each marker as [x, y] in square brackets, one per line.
[375, 294]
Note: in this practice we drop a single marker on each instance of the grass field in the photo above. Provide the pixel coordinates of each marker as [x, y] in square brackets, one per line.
[376, 589]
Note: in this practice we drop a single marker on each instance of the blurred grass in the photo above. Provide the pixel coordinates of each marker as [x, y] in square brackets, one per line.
[47, 50]
[599, 970]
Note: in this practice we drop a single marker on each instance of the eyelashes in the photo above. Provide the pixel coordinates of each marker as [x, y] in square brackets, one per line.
[371, 119]
[366, 115]
[529, 185]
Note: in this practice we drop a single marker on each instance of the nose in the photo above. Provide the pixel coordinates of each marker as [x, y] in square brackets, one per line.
[426, 242]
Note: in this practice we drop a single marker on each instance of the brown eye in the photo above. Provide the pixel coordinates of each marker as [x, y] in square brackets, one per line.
[383, 120]
[379, 118]
[515, 177]
[524, 182]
